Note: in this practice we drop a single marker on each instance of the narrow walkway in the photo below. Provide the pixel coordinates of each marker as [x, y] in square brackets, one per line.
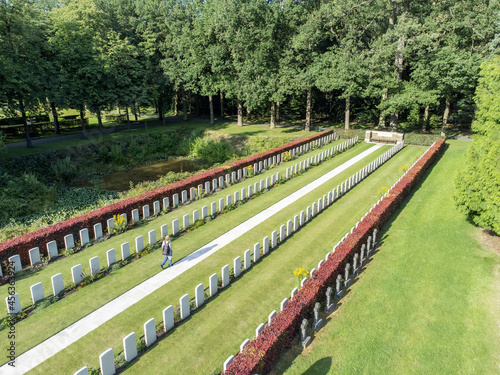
[77, 330]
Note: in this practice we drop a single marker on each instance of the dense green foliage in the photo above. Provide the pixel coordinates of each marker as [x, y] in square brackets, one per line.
[478, 185]
[409, 62]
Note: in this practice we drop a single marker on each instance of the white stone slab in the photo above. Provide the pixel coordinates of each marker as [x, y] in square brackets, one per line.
[37, 292]
[52, 250]
[69, 242]
[265, 245]
[166, 203]
[83, 371]
[185, 308]
[274, 239]
[57, 283]
[236, 196]
[244, 344]
[207, 187]
[199, 294]
[110, 225]
[283, 304]
[107, 362]
[13, 304]
[130, 347]
[213, 208]
[237, 266]
[175, 226]
[259, 329]
[34, 255]
[227, 362]
[175, 200]
[243, 194]
[185, 221]
[213, 285]
[196, 216]
[76, 274]
[247, 260]
[271, 316]
[150, 332]
[225, 276]
[204, 212]
[289, 228]
[139, 244]
[84, 236]
[94, 265]
[125, 248]
[152, 236]
[282, 233]
[184, 196]
[250, 190]
[164, 230]
[256, 252]
[156, 207]
[168, 318]
[294, 292]
[192, 194]
[111, 256]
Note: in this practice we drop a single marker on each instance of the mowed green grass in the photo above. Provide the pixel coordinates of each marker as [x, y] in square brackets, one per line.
[425, 304]
[202, 343]
[41, 325]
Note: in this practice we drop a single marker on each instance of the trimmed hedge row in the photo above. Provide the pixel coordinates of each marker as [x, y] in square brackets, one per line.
[39, 238]
[260, 354]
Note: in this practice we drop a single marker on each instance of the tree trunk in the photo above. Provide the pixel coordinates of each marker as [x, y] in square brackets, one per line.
[176, 98]
[425, 125]
[135, 112]
[393, 123]
[189, 103]
[128, 117]
[221, 105]
[184, 105]
[211, 105]
[381, 119]
[445, 117]
[82, 121]
[240, 114]
[25, 121]
[347, 111]
[117, 110]
[56, 118]
[273, 115]
[277, 111]
[308, 109]
[99, 118]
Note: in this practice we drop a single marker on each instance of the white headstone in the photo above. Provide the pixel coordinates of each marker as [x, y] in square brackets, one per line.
[145, 211]
[192, 193]
[271, 317]
[247, 262]
[111, 256]
[94, 265]
[84, 236]
[204, 212]
[185, 308]
[129, 347]
[52, 249]
[236, 196]
[76, 274]
[225, 276]
[282, 233]
[274, 239]
[184, 196]
[207, 187]
[150, 332]
[250, 190]
[168, 318]
[265, 245]
[237, 266]
[164, 230]
[227, 362]
[156, 207]
[221, 204]
[125, 250]
[213, 285]
[83, 371]
[243, 194]
[175, 226]
[259, 329]
[37, 292]
[244, 344]
[175, 200]
[110, 225]
[289, 228]
[69, 242]
[107, 362]
[34, 256]
[139, 244]
[294, 292]
[213, 208]
[166, 203]
[199, 294]
[57, 283]
[229, 200]
[185, 221]
[256, 252]
[283, 304]
[13, 304]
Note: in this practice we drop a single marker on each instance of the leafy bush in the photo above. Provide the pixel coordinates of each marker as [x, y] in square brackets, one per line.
[65, 170]
[421, 139]
[211, 149]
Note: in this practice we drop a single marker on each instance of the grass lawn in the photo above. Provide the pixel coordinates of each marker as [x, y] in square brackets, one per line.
[427, 303]
[232, 316]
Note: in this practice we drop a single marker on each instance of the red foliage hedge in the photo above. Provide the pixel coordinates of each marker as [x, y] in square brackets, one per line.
[260, 354]
[56, 232]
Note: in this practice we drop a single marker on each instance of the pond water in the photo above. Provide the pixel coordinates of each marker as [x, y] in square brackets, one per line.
[121, 180]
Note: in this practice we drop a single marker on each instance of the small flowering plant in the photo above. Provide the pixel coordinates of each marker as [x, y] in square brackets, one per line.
[382, 190]
[120, 224]
[300, 273]
[286, 156]
[405, 168]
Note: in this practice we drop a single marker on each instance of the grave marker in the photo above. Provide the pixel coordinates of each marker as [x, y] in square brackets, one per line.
[150, 332]
[107, 362]
[57, 283]
[37, 292]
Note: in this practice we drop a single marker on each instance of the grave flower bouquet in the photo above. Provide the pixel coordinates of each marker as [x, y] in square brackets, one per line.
[300, 273]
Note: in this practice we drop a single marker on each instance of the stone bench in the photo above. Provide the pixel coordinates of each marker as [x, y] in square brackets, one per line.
[383, 137]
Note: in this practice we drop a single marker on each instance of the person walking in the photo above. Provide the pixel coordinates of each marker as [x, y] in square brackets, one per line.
[166, 251]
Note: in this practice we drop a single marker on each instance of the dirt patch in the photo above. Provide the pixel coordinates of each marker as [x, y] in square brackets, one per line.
[489, 240]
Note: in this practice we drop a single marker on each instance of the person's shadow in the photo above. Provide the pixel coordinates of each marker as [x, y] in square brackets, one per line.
[320, 367]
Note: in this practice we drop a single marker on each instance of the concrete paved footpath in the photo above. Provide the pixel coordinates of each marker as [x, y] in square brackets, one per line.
[77, 330]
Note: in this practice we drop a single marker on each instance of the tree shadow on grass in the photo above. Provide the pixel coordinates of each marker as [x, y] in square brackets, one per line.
[320, 367]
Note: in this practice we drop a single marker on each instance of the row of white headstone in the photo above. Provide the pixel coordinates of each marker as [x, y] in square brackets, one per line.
[312, 210]
[106, 359]
[37, 292]
[194, 193]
